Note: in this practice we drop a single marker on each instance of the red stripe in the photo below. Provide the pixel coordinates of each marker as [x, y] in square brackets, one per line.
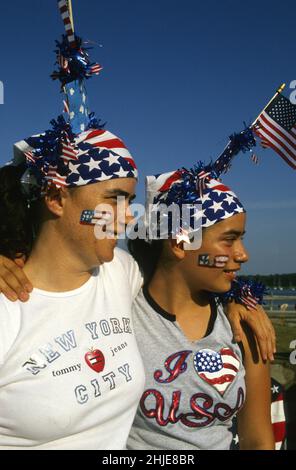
[278, 131]
[218, 380]
[230, 366]
[94, 134]
[174, 177]
[279, 431]
[228, 352]
[280, 142]
[280, 397]
[64, 9]
[110, 144]
[222, 187]
[281, 154]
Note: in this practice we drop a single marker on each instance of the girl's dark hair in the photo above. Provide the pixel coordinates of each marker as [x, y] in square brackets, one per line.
[16, 218]
[147, 255]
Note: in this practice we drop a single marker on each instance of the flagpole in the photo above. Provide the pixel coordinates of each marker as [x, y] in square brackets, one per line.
[71, 14]
[279, 90]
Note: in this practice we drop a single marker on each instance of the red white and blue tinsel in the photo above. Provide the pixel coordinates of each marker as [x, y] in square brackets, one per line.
[76, 150]
[197, 187]
[246, 292]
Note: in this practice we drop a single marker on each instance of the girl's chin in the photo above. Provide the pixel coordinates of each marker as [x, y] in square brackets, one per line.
[223, 286]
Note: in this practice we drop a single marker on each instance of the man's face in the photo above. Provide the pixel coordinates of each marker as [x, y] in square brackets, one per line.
[95, 244]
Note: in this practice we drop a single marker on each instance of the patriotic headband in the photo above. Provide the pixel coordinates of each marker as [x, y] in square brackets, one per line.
[200, 188]
[89, 157]
[76, 151]
[192, 187]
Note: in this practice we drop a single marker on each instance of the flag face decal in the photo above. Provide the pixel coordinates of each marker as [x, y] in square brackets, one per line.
[218, 369]
[276, 127]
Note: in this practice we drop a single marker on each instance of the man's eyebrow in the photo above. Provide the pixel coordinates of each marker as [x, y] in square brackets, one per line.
[238, 233]
[119, 192]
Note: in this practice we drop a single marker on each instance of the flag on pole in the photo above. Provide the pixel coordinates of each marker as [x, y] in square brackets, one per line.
[276, 127]
[66, 14]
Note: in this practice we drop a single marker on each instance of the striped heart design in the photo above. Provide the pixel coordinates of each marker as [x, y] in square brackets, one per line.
[218, 369]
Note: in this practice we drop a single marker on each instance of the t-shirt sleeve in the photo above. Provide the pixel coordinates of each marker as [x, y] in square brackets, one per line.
[9, 325]
[133, 271]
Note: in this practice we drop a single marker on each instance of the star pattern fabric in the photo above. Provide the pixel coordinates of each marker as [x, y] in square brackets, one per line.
[94, 155]
[214, 203]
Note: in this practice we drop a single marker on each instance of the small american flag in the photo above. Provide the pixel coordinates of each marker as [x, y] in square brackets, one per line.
[248, 299]
[254, 159]
[95, 69]
[29, 157]
[276, 127]
[68, 151]
[278, 417]
[65, 14]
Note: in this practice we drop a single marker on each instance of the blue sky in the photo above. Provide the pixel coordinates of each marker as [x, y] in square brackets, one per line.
[178, 79]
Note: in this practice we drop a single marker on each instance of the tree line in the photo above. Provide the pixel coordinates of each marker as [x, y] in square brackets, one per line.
[286, 281]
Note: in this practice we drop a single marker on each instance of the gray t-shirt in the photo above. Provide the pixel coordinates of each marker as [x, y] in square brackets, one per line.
[193, 389]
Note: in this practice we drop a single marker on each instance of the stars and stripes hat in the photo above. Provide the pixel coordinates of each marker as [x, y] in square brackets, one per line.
[200, 189]
[208, 199]
[92, 156]
[76, 150]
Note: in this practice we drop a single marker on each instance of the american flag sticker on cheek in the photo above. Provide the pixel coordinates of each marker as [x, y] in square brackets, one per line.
[92, 217]
[221, 261]
[218, 261]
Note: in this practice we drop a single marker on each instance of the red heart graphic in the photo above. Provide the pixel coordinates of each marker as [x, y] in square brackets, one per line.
[218, 369]
[95, 360]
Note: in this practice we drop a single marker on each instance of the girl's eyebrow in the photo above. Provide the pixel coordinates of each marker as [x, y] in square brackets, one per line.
[238, 233]
[119, 192]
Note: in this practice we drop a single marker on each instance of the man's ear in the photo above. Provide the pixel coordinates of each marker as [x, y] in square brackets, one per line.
[55, 199]
[177, 249]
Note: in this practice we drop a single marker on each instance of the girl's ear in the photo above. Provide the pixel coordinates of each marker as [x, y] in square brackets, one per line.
[177, 249]
[55, 199]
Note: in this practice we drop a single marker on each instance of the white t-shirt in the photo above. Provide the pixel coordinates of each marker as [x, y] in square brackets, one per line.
[71, 375]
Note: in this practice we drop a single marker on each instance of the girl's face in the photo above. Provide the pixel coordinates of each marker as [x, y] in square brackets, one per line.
[221, 239]
[90, 243]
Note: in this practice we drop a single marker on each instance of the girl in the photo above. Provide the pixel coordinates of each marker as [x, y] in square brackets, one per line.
[68, 355]
[197, 378]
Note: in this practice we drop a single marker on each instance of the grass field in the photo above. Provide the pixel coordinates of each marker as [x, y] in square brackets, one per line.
[282, 369]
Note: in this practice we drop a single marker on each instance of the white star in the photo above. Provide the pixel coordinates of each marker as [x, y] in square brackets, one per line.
[92, 164]
[275, 389]
[216, 206]
[81, 181]
[72, 91]
[121, 173]
[112, 159]
[229, 199]
[81, 109]
[83, 98]
[207, 197]
[236, 439]
[72, 114]
[198, 214]
[74, 168]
